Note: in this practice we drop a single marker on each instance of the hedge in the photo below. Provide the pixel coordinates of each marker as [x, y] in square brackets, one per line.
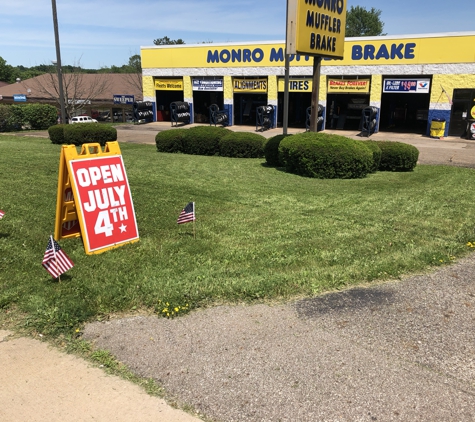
[40, 116]
[271, 150]
[170, 140]
[203, 140]
[376, 150]
[397, 156]
[56, 134]
[82, 133]
[34, 116]
[325, 156]
[242, 145]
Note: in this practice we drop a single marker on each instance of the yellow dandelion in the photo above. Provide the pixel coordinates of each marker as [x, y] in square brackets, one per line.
[177, 309]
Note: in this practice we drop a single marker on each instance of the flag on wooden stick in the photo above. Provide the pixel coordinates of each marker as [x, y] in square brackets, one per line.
[2, 213]
[187, 214]
[55, 260]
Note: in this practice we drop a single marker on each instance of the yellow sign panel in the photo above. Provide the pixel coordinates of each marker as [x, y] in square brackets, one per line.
[371, 51]
[320, 27]
[348, 85]
[472, 112]
[296, 85]
[169, 84]
[250, 85]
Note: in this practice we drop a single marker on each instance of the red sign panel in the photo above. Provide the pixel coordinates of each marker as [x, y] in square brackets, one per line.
[104, 202]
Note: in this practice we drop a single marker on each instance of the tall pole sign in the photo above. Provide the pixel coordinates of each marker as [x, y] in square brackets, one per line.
[317, 28]
[58, 63]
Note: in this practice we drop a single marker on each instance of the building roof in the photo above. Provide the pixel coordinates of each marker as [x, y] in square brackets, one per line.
[79, 86]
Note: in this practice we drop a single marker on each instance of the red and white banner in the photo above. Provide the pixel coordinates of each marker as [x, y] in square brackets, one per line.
[103, 201]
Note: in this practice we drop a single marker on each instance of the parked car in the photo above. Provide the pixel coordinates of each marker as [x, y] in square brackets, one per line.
[82, 119]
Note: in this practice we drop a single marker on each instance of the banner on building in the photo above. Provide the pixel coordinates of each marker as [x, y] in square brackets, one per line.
[208, 85]
[94, 199]
[169, 84]
[341, 86]
[250, 85]
[417, 86]
[296, 85]
[123, 99]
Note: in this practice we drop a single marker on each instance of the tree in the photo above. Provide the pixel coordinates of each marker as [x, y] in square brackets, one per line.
[79, 88]
[133, 72]
[6, 71]
[167, 41]
[363, 23]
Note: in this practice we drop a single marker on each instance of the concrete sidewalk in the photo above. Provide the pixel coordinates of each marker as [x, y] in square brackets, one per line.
[39, 384]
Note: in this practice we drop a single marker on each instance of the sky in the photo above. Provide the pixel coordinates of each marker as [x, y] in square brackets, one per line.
[102, 33]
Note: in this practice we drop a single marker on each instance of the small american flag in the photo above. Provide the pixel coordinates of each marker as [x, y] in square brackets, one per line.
[2, 213]
[55, 260]
[187, 214]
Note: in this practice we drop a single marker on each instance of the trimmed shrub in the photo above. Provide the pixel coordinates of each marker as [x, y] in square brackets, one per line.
[373, 146]
[325, 156]
[40, 116]
[56, 134]
[203, 140]
[242, 145]
[271, 150]
[85, 133]
[16, 119]
[170, 140]
[397, 156]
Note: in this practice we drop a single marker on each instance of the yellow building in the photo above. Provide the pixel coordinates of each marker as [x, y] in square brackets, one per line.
[409, 80]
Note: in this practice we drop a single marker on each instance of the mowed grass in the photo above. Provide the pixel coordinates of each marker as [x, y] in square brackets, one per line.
[261, 234]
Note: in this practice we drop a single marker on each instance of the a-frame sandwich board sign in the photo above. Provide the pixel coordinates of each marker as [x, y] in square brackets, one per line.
[94, 199]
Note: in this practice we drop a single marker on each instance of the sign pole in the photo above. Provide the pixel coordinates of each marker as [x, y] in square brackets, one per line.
[317, 62]
[285, 119]
[58, 64]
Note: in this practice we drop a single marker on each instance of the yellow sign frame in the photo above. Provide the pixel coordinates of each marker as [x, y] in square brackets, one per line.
[316, 27]
[67, 210]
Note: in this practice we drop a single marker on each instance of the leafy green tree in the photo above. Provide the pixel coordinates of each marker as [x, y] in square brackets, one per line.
[363, 23]
[6, 71]
[167, 41]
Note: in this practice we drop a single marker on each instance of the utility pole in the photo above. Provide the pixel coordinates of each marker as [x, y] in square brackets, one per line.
[58, 63]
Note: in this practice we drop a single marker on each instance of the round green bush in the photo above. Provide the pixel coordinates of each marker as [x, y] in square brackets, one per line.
[397, 156]
[242, 145]
[203, 140]
[271, 150]
[56, 134]
[170, 140]
[373, 146]
[40, 116]
[85, 133]
[325, 156]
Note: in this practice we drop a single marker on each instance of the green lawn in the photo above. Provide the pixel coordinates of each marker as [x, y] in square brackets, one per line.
[261, 233]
